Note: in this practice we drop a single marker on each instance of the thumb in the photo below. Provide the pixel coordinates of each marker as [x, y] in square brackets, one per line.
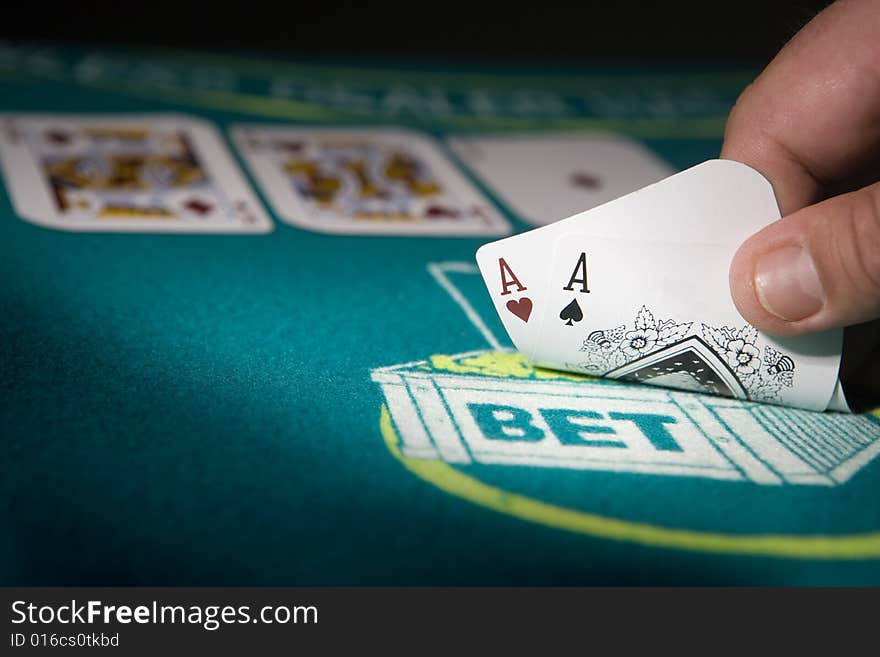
[817, 268]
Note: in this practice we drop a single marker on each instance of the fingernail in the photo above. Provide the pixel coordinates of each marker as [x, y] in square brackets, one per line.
[788, 285]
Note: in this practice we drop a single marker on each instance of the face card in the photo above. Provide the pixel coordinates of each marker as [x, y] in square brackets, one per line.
[141, 173]
[365, 181]
[660, 313]
[544, 178]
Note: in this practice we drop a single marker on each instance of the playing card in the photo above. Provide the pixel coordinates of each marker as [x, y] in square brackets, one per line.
[161, 172]
[544, 178]
[716, 202]
[364, 181]
[660, 313]
[713, 206]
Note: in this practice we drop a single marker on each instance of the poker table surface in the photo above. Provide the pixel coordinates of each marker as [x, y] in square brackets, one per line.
[298, 408]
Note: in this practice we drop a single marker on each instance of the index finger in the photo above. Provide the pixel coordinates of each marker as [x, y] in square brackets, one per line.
[812, 118]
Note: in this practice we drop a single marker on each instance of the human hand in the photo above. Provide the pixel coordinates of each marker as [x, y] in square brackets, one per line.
[811, 124]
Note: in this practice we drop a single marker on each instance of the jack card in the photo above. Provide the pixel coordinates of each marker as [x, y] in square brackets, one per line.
[365, 181]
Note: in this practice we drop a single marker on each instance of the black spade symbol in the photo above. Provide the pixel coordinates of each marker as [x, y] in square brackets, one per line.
[571, 313]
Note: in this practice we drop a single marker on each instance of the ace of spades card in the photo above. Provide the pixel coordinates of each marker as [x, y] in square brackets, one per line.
[637, 290]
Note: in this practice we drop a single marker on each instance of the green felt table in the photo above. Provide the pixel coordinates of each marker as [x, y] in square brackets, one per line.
[296, 408]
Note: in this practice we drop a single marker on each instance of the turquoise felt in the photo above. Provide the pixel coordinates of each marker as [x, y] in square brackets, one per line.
[199, 409]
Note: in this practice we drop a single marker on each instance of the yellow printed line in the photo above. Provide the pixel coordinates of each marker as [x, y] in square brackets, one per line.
[215, 99]
[230, 101]
[455, 482]
[281, 108]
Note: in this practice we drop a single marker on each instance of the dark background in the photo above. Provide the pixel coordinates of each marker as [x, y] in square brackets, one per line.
[640, 31]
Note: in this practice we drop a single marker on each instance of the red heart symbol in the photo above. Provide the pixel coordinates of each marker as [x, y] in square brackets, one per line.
[521, 308]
